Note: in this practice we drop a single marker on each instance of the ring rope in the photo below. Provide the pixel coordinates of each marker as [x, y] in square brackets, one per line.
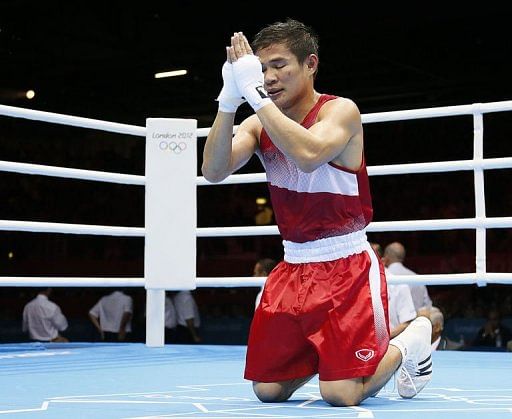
[442, 111]
[66, 172]
[270, 230]
[242, 282]
[394, 169]
[74, 121]
[45, 227]
[421, 113]
[81, 122]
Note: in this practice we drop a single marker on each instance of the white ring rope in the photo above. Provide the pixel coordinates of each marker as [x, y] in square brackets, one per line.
[74, 121]
[65, 172]
[44, 227]
[393, 169]
[242, 281]
[478, 164]
[375, 226]
[446, 224]
[441, 166]
[39, 281]
[270, 230]
[80, 122]
[437, 112]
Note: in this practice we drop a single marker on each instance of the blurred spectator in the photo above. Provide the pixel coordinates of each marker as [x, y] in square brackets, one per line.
[394, 255]
[182, 318]
[262, 268]
[264, 214]
[400, 307]
[43, 319]
[112, 316]
[493, 333]
[439, 342]
[377, 248]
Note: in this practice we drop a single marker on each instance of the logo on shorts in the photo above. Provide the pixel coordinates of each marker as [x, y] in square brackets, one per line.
[364, 354]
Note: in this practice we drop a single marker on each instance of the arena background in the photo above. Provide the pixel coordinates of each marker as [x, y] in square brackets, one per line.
[98, 60]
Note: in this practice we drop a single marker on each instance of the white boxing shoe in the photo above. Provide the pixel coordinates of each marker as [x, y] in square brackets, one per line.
[416, 369]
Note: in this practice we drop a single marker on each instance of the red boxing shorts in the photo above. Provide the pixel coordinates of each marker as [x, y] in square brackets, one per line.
[327, 317]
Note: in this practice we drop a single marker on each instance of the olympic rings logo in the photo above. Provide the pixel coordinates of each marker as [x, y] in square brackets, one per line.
[173, 146]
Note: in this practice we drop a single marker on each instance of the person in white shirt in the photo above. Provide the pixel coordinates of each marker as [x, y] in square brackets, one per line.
[182, 320]
[112, 316]
[394, 255]
[262, 268]
[400, 305]
[43, 319]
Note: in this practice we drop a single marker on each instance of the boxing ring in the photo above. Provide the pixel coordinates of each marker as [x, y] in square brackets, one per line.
[103, 380]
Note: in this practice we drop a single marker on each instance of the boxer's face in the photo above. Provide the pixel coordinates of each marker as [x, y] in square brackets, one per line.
[285, 77]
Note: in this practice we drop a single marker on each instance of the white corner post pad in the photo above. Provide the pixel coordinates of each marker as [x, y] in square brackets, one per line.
[170, 216]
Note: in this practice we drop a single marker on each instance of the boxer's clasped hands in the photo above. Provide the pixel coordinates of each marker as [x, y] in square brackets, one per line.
[229, 98]
[244, 69]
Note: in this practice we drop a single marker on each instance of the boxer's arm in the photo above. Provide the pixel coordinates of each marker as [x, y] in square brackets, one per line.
[224, 154]
[338, 122]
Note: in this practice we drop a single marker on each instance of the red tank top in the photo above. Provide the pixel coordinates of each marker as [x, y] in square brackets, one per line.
[330, 201]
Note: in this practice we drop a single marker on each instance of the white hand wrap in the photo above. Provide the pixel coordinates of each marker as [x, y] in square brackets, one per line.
[229, 98]
[249, 79]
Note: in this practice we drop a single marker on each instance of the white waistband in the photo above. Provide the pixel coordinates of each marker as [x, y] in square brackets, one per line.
[323, 250]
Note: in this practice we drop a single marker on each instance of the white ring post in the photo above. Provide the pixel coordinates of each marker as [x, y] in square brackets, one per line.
[170, 218]
[478, 155]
